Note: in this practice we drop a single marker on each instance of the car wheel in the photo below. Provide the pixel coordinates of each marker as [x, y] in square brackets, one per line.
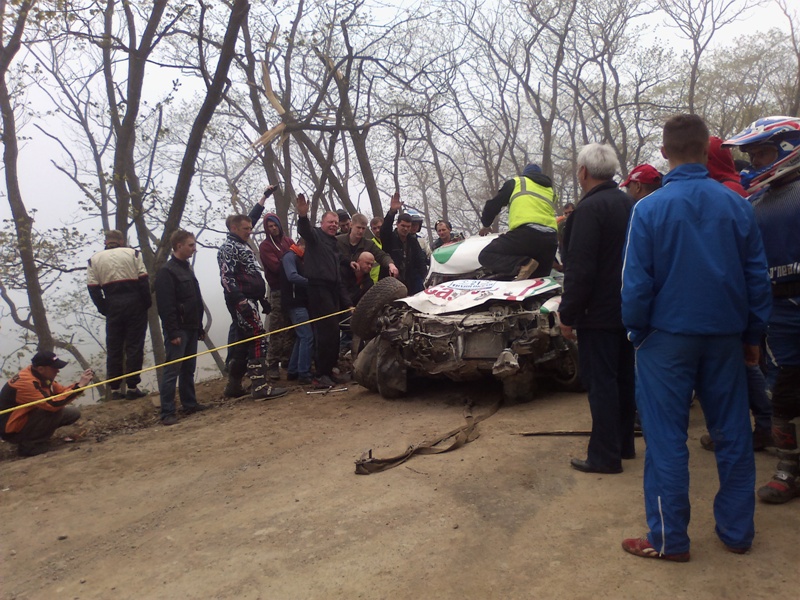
[568, 376]
[364, 322]
[366, 365]
[392, 375]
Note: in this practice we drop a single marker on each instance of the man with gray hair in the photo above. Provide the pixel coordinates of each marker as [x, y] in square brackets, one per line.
[594, 239]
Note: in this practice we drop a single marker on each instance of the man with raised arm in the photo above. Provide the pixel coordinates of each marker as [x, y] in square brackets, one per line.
[326, 294]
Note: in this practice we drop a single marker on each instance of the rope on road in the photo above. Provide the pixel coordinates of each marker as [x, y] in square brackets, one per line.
[172, 362]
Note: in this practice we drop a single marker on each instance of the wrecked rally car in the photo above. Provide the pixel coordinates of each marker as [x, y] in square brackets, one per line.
[463, 329]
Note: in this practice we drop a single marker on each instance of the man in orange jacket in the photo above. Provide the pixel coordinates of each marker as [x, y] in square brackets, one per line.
[31, 427]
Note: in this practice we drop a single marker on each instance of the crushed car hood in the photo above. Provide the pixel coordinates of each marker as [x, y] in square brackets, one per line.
[462, 294]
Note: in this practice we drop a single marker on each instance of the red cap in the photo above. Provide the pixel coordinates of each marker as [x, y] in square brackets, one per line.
[643, 174]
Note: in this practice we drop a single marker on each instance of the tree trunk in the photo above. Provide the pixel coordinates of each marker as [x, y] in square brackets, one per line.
[22, 220]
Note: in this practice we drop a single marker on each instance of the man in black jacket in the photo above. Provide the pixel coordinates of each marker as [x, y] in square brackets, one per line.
[180, 306]
[326, 294]
[594, 239]
[403, 246]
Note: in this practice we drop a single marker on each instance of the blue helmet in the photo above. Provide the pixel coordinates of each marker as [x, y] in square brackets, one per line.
[781, 132]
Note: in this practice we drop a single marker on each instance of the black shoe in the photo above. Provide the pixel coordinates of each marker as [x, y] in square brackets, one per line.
[135, 392]
[169, 420]
[292, 377]
[305, 380]
[32, 450]
[190, 410]
[586, 467]
[323, 382]
[706, 442]
[274, 373]
[117, 395]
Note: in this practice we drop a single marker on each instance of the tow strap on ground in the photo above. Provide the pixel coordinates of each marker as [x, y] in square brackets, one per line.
[368, 464]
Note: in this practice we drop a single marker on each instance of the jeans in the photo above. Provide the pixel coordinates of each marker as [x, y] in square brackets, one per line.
[300, 360]
[182, 372]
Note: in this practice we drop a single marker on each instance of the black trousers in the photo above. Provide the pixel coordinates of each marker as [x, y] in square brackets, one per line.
[41, 426]
[606, 360]
[126, 328]
[245, 323]
[323, 299]
[507, 253]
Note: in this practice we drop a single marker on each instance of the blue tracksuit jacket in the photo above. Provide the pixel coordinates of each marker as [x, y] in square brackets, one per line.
[684, 273]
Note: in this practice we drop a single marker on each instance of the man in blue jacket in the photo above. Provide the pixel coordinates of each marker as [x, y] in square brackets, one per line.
[773, 145]
[695, 301]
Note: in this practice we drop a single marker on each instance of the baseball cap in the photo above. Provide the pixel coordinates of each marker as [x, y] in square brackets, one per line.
[47, 359]
[642, 174]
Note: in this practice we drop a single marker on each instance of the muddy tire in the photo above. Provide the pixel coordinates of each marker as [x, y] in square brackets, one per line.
[568, 375]
[392, 375]
[364, 321]
[365, 367]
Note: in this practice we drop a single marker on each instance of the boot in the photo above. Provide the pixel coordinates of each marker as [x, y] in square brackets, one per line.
[526, 269]
[784, 485]
[234, 388]
[261, 389]
[236, 370]
[274, 372]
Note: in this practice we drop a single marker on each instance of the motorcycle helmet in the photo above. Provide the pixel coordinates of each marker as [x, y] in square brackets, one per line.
[781, 132]
[416, 216]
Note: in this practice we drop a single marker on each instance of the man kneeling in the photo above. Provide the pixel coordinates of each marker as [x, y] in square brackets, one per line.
[31, 427]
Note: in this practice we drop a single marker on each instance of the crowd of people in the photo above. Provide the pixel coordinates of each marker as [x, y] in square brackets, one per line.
[672, 286]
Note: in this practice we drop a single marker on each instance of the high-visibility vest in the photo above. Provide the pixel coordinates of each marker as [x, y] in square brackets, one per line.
[531, 203]
[376, 270]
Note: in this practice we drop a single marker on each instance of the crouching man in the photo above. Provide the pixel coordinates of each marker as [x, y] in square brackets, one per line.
[31, 427]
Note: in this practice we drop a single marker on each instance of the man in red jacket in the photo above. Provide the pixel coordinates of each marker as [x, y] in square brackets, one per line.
[31, 427]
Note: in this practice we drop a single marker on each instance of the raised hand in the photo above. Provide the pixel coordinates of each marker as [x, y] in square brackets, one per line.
[302, 205]
[395, 203]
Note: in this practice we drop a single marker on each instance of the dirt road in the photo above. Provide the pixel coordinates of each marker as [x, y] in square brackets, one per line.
[260, 500]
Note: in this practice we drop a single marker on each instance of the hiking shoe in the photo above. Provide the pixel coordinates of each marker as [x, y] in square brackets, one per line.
[135, 392]
[292, 376]
[190, 410]
[323, 382]
[169, 420]
[782, 488]
[526, 269]
[274, 372]
[642, 547]
[706, 442]
[305, 380]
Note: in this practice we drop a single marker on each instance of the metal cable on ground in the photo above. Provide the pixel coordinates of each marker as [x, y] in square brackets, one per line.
[172, 362]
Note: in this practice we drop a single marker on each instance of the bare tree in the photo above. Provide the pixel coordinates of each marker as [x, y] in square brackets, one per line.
[699, 21]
